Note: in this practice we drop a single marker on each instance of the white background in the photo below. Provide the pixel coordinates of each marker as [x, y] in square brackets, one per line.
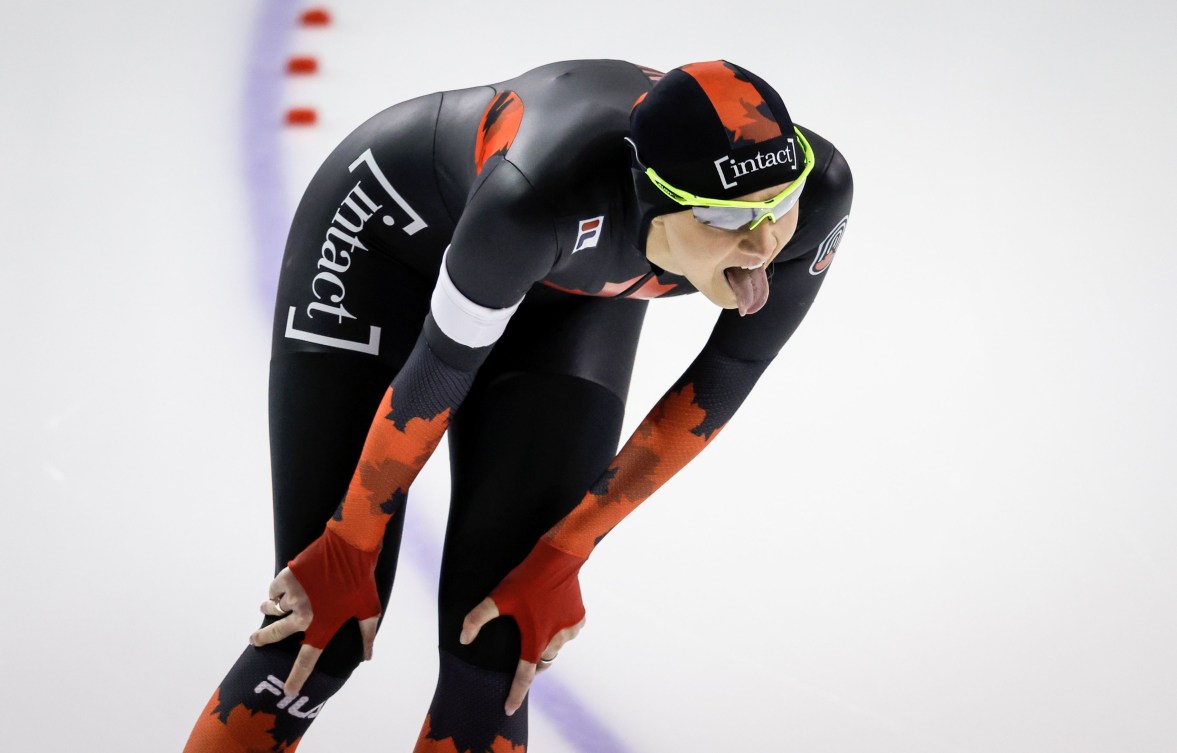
[944, 521]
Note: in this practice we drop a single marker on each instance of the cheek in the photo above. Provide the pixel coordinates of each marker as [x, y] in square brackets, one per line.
[715, 251]
[698, 246]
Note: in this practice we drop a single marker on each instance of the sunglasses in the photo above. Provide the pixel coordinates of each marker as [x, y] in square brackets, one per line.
[746, 218]
[734, 214]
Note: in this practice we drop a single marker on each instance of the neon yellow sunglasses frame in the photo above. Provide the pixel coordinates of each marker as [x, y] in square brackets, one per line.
[687, 199]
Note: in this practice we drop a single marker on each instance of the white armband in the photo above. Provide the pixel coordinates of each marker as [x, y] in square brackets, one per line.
[461, 319]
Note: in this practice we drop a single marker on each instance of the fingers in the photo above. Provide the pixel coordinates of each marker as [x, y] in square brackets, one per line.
[486, 611]
[285, 594]
[270, 607]
[303, 664]
[524, 674]
[560, 638]
[291, 604]
[273, 608]
[284, 583]
[368, 634]
[277, 586]
[280, 630]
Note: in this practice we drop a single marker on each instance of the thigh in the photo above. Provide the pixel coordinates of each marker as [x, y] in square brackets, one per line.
[360, 264]
[539, 427]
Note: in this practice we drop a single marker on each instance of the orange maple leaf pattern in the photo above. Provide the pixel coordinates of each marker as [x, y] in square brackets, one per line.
[244, 731]
[499, 125]
[391, 459]
[651, 288]
[740, 107]
[660, 447]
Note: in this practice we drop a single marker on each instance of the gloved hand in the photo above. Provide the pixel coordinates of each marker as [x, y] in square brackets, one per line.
[543, 595]
[330, 582]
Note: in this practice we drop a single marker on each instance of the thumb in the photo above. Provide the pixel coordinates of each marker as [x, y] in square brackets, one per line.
[368, 634]
[486, 611]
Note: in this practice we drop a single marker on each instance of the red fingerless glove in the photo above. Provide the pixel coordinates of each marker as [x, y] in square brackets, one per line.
[543, 595]
[340, 582]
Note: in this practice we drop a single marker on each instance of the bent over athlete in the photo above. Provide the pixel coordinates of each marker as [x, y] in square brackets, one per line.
[489, 253]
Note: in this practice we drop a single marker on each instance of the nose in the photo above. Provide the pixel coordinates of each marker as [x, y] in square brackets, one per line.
[760, 240]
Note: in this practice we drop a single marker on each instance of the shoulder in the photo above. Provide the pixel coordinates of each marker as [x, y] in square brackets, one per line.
[831, 172]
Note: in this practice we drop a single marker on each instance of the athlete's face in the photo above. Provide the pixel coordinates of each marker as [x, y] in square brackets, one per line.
[681, 244]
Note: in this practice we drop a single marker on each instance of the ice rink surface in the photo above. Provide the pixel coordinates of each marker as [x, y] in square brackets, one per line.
[943, 522]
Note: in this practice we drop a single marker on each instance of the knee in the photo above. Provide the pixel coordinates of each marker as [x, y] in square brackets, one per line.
[497, 646]
[341, 657]
[467, 709]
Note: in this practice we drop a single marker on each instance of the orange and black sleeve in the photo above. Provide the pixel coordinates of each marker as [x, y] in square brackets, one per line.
[687, 418]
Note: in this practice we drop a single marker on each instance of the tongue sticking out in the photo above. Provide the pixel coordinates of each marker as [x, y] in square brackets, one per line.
[750, 287]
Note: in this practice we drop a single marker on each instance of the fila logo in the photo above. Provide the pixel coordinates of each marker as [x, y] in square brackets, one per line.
[825, 251]
[290, 704]
[588, 233]
[737, 170]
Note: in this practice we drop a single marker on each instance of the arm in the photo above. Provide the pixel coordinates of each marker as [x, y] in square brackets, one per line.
[542, 593]
[496, 255]
[714, 386]
[687, 418]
